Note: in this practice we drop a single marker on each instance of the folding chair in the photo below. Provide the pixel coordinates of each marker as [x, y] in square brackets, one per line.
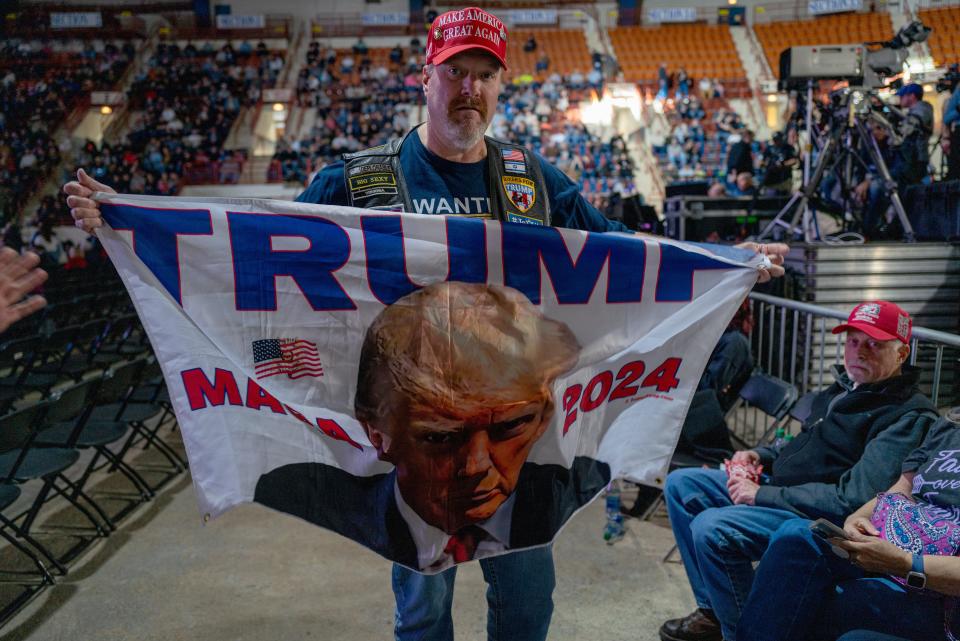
[119, 341]
[73, 427]
[86, 343]
[53, 352]
[20, 463]
[16, 360]
[14, 429]
[66, 407]
[137, 414]
[771, 395]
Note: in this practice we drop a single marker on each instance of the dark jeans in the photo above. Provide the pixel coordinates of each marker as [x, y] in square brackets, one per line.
[519, 598]
[718, 540]
[805, 592]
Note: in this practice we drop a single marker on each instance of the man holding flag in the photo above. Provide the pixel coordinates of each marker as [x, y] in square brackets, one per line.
[447, 166]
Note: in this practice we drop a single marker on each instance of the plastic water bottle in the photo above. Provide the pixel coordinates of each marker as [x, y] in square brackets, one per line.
[780, 439]
[613, 531]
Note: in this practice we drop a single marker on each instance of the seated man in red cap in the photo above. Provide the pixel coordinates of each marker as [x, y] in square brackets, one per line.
[849, 448]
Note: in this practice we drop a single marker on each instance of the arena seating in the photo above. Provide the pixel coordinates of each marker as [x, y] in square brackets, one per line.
[703, 50]
[41, 83]
[355, 110]
[566, 48]
[944, 42]
[838, 28]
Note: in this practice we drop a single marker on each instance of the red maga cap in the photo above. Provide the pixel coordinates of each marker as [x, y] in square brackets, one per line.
[470, 28]
[879, 319]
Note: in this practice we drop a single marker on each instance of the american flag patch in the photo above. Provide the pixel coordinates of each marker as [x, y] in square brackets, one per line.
[291, 356]
[512, 154]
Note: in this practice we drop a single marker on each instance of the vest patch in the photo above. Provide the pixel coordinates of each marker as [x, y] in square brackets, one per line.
[372, 183]
[523, 220]
[513, 161]
[522, 192]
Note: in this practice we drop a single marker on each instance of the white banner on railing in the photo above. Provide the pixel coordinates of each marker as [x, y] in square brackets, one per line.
[76, 20]
[231, 21]
[408, 380]
[672, 14]
[818, 7]
[519, 17]
[386, 18]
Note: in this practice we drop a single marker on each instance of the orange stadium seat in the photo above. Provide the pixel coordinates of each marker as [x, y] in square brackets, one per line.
[566, 48]
[839, 28]
[945, 40]
[703, 50]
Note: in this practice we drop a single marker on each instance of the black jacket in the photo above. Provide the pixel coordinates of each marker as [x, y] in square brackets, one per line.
[850, 447]
[364, 508]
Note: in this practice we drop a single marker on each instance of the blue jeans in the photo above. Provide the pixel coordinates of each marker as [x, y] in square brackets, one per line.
[805, 592]
[519, 599]
[718, 540]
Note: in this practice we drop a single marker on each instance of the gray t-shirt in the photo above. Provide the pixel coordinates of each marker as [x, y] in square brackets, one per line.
[937, 466]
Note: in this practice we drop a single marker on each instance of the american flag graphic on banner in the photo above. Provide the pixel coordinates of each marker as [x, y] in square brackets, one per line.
[291, 356]
[512, 154]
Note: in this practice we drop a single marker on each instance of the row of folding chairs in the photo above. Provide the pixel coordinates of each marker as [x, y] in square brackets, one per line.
[122, 409]
[34, 365]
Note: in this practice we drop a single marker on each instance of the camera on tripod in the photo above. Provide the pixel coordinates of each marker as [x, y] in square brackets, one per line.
[858, 64]
[854, 117]
[949, 80]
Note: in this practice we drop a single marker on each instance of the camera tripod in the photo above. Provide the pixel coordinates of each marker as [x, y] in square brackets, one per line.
[839, 148]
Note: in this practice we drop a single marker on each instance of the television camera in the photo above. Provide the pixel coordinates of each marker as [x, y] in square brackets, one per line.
[848, 117]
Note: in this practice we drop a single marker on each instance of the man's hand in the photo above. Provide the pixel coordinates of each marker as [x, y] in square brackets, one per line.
[85, 210]
[742, 491]
[18, 276]
[745, 457]
[873, 554]
[776, 252]
[861, 190]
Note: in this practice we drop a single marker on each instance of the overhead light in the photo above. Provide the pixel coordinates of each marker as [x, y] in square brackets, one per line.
[106, 110]
[278, 106]
[771, 97]
[731, 2]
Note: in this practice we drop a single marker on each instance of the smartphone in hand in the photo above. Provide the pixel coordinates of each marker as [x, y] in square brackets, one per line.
[827, 530]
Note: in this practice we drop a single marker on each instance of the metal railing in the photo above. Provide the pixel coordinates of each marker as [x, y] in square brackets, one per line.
[793, 341]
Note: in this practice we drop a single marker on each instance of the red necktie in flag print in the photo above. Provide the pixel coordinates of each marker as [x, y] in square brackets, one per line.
[462, 546]
[291, 356]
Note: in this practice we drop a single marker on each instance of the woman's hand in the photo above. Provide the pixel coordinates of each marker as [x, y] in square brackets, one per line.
[858, 527]
[873, 554]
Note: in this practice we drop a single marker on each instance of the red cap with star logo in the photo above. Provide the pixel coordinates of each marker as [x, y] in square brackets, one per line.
[879, 319]
[470, 28]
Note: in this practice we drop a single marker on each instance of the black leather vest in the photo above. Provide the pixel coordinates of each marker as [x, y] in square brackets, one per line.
[517, 191]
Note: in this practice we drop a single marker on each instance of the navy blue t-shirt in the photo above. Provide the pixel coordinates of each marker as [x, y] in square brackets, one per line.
[439, 186]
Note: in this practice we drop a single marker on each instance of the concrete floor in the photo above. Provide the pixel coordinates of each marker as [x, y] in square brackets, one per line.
[255, 574]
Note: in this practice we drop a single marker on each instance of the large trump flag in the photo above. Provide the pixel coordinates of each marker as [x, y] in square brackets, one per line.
[437, 389]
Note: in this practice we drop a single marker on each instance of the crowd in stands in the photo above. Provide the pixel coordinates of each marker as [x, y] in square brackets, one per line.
[358, 105]
[367, 103]
[188, 99]
[41, 82]
[537, 116]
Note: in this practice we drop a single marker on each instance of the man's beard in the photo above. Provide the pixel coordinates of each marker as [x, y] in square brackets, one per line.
[464, 136]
